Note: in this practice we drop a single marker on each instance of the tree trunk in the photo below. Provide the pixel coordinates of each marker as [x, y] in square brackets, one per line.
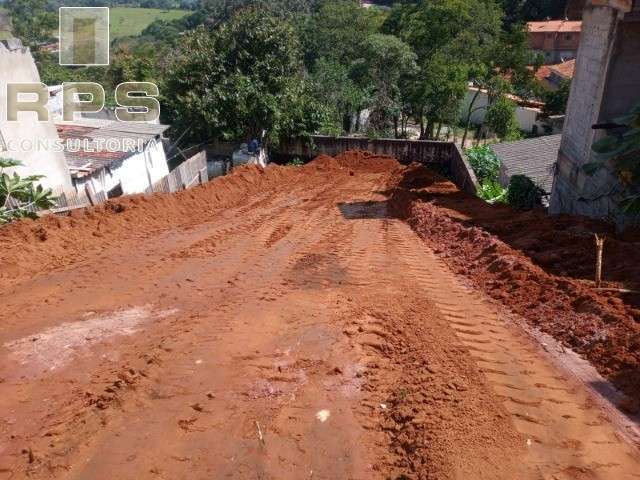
[468, 122]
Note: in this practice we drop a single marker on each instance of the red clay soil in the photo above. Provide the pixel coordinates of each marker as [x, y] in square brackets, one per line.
[539, 266]
[285, 323]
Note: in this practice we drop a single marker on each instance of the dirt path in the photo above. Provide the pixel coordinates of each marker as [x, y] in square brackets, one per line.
[301, 334]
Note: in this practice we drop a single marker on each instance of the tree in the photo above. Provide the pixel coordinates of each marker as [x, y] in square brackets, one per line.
[30, 20]
[451, 39]
[20, 197]
[387, 60]
[501, 119]
[336, 31]
[501, 68]
[331, 85]
[233, 81]
[555, 101]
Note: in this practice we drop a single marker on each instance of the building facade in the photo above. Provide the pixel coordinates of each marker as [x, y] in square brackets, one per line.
[605, 86]
[556, 40]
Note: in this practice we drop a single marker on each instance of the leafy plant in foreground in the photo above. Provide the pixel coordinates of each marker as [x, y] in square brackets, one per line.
[492, 192]
[20, 197]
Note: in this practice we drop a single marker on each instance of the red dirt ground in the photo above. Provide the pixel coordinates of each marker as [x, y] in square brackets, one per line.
[288, 323]
[540, 267]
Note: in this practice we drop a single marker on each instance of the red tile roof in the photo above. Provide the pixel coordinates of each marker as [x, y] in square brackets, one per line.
[563, 26]
[564, 70]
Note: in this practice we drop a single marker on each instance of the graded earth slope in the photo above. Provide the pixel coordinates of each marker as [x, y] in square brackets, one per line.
[282, 323]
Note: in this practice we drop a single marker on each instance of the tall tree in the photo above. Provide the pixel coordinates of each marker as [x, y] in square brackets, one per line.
[387, 60]
[235, 80]
[30, 20]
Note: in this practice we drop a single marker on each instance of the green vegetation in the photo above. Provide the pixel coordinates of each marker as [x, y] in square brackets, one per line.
[555, 101]
[492, 192]
[295, 162]
[484, 162]
[523, 193]
[326, 67]
[20, 196]
[486, 166]
[31, 22]
[241, 80]
[501, 118]
[621, 151]
[129, 21]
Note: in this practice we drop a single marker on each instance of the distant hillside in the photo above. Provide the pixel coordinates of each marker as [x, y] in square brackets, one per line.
[130, 21]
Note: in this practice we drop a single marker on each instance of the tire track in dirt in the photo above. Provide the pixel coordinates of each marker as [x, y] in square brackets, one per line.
[565, 431]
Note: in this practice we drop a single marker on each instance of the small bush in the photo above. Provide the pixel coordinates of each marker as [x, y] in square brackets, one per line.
[484, 162]
[523, 193]
[296, 162]
[492, 192]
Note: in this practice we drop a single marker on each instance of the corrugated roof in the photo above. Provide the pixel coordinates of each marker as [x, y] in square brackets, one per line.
[533, 157]
[563, 26]
[91, 135]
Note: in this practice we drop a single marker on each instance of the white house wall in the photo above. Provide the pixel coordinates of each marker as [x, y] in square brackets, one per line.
[135, 174]
[527, 117]
[18, 66]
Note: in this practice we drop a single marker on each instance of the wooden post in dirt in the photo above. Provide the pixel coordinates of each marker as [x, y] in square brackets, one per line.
[599, 249]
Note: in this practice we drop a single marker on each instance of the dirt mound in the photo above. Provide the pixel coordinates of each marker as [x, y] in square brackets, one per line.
[601, 325]
[53, 241]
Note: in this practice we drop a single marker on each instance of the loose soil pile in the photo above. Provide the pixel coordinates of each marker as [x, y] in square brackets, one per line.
[538, 266]
[28, 247]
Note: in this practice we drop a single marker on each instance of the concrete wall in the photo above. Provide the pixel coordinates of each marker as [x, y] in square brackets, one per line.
[606, 84]
[17, 65]
[443, 156]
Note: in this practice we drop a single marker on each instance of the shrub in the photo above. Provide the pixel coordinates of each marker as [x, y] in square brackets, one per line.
[484, 162]
[523, 193]
[20, 196]
[492, 192]
[295, 162]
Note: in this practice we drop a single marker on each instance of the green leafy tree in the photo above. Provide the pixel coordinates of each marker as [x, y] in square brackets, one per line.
[555, 101]
[235, 80]
[331, 85]
[21, 197]
[336, 30]
[501, 119]
[387, 60]
[31, 22]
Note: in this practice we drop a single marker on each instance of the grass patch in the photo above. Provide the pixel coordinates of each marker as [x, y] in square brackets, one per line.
[129, 21]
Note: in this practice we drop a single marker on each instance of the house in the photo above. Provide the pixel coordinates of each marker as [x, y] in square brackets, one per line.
[113, 158]
[552, 76]
[527, 112]
[557, 40]
[534, 157]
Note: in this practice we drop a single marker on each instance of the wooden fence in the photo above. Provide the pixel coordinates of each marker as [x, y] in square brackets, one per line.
[189, 173]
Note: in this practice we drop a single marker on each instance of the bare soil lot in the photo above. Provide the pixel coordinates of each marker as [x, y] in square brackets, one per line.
[321, 322]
